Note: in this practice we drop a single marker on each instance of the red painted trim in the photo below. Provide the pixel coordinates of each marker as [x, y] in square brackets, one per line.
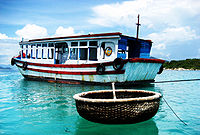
[79, 39]
[131, 60]
[66, 65]
[74, 73]
[144, 60]
[79, 36]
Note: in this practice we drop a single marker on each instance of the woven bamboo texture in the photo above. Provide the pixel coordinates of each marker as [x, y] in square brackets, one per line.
[131, 106]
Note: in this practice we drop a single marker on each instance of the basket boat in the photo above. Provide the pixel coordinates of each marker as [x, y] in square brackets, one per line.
[131, 106]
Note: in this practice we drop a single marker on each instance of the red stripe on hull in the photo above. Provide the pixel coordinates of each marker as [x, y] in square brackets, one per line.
[143, 60]
[74, 73]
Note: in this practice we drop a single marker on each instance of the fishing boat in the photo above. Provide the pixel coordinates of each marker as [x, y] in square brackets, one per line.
[90, 59]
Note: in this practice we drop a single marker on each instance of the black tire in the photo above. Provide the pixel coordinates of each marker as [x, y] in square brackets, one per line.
[100, 69]
[118, 64]
[12, 62]
[160, 70]
[25, 65]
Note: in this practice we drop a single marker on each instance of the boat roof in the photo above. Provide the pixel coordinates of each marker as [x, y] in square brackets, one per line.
[81, 37]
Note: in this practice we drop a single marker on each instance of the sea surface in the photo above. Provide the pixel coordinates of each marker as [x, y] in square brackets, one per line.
[42, 108]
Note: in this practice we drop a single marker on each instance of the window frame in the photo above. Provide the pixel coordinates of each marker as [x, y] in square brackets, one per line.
[88, 47]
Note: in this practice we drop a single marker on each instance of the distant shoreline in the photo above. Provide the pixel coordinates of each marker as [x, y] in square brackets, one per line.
[180, 65]
[181, 69]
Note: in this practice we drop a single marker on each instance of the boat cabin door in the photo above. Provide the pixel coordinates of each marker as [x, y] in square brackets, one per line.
[134, 49]
[61, 51]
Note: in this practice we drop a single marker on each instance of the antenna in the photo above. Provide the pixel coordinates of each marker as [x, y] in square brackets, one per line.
[138, 25]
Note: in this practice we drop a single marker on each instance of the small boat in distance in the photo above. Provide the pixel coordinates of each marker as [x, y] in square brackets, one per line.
[89, 59]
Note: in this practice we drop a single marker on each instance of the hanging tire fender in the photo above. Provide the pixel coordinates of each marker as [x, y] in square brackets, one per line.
[25, 65]
[160, 70]
[118, 64]
[12, 62]
[100, 69]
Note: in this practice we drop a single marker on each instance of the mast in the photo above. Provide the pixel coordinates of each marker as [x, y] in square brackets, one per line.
[138, 25]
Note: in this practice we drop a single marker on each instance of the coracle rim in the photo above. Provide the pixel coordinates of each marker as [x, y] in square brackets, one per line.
[148, 98]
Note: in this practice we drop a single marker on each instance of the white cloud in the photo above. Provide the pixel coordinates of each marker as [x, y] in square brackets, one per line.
[3, 36]
[172, 35]
[9, 48]
[61, 31]
[31, 31]
[161, 55]
[153, 12]
[160, 46]
[69, 31]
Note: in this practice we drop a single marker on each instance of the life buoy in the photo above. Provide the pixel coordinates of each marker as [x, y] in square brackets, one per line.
[25, 65]
[118, 64]
[108, 51]
[160, 70]
[12, 62]
[100, 69]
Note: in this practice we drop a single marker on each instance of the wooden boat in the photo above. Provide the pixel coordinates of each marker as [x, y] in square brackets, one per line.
[90, 59]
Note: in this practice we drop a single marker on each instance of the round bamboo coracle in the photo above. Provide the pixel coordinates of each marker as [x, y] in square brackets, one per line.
[130, 106]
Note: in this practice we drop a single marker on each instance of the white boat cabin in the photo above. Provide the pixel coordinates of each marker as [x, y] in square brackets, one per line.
[84, 49]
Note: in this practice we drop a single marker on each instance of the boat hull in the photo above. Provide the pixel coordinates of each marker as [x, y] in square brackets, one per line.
[134, 71]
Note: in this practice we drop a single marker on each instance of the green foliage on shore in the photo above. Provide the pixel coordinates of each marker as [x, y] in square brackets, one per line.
[193, 64]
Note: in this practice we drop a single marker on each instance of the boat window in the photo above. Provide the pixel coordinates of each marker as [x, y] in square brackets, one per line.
[44, 51]
[33, 51]
[50, 45]
[93, 50]
[93, 43]
[28, 51]
[74, 43]
[51, 53]
[44, 45]
[22, 54]
[39, 51]
[92, 53]
[83, 53]
[74, 53]
[24, 51]
[83, 50]
[83, 43]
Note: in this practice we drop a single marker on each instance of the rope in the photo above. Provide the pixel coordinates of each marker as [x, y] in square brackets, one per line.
[174, 112]
[177, 81]
[113, 87]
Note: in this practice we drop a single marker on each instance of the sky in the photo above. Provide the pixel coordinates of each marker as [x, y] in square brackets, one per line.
[172, 25]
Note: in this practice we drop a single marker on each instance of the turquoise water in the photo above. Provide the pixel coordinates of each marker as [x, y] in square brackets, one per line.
[41, 108]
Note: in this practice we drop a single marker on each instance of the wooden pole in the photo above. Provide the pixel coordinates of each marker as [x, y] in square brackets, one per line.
[138, 26]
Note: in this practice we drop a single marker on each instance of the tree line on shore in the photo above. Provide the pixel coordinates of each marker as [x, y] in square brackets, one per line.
[192, 64]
